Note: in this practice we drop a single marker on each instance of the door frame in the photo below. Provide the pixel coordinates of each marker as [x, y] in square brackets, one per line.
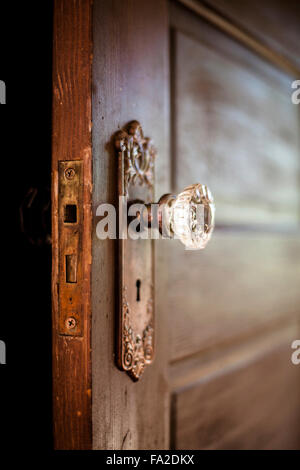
[72, 140]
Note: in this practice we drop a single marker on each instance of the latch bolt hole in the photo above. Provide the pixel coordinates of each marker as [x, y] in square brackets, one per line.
[70, 214]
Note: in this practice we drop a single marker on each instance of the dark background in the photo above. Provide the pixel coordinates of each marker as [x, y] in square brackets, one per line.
[25, 319]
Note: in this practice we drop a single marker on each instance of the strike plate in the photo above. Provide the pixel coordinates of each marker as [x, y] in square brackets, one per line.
[135, 348]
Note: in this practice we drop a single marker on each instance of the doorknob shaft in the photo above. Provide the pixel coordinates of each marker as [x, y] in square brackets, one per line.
[190, 216]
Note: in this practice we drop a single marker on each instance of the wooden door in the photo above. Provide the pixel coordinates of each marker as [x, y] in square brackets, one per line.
[235, 305]
[214, 93]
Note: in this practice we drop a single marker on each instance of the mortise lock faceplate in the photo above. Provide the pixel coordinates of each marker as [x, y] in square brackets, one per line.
[70, 220]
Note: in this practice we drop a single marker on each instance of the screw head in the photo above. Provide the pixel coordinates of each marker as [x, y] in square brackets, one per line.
[69, 173]
[70, 323]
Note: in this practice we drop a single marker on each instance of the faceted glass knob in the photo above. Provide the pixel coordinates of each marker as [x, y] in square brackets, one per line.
[190, 216]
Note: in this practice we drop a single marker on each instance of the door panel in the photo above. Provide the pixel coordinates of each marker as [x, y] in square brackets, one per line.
[248, 399]
[234, 307]
[130, 73]
[240, 283]
[274, 22]
[236, 127]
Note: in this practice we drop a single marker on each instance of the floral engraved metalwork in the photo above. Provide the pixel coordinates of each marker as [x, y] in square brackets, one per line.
[135, 340]
[139, 154]
[138, 351]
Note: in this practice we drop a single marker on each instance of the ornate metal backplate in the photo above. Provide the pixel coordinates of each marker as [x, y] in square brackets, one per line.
[135, 347]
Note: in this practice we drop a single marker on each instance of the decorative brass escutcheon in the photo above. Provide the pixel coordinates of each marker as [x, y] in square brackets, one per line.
[136, 292]
[175, 217]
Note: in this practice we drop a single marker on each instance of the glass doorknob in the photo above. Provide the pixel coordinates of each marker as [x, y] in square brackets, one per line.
[190, 216]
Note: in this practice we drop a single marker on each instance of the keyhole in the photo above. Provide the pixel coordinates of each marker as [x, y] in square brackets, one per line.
[138, 287]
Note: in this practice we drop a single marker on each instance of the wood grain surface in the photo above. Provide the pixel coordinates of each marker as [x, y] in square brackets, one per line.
[244, 398]
[234, 307]
[229, 128]
[72, 141]
[225, 317]
[273, 22]
[130, 82]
